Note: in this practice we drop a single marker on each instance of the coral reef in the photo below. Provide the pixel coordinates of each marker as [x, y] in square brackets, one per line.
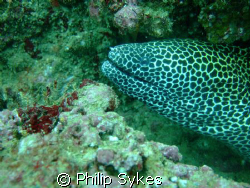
[9, 129]
[156, 20]
[48, 48]
[42, 119]
[128, 17]
[44, 59]
[149, 19]
[95, 142]
[223, 26]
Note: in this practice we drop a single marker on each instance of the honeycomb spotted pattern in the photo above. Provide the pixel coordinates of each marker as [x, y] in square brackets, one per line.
[203, 86]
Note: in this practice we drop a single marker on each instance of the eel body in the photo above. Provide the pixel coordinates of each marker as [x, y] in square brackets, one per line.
[203, 86]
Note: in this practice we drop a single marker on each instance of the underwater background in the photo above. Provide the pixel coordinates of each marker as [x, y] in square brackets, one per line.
[60, 114]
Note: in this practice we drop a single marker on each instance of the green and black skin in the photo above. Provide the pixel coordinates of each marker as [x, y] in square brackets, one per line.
[203, 86]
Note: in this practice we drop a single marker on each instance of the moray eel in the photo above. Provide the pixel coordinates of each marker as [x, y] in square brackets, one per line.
[203, 86]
